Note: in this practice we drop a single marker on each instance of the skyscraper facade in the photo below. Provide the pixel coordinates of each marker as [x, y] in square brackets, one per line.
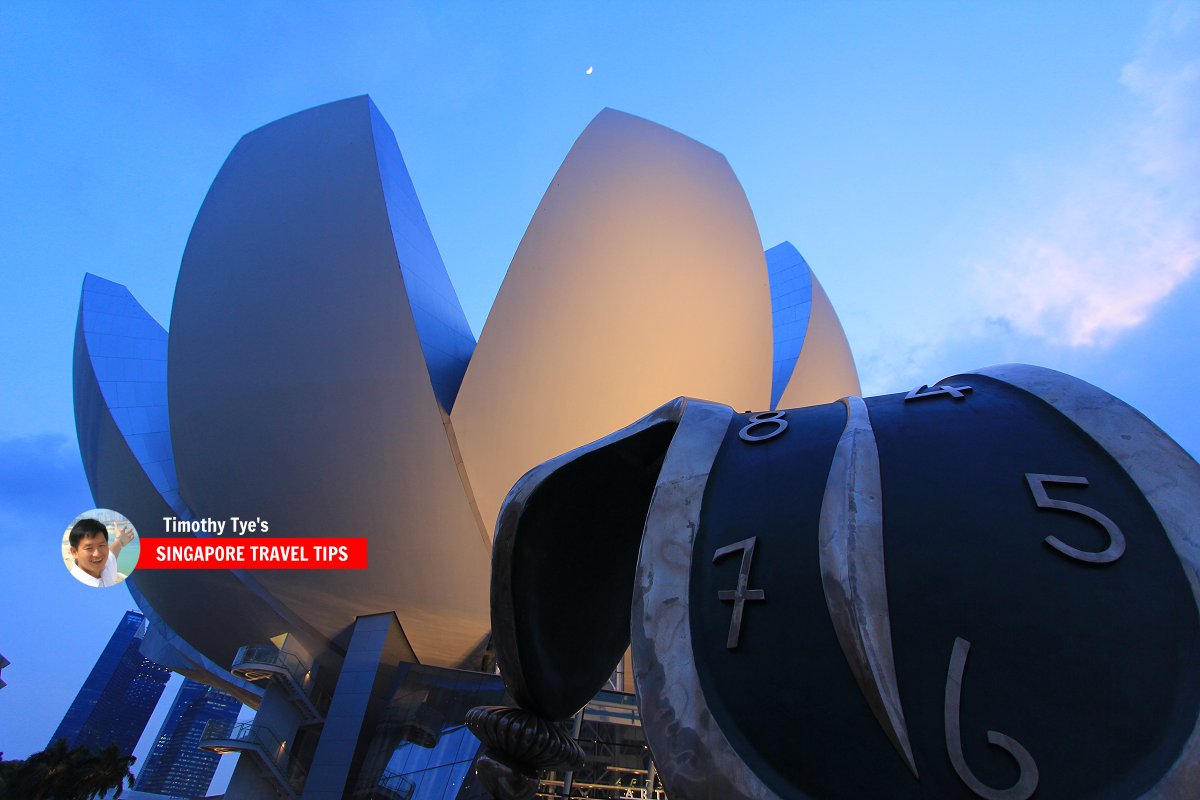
[119, 694]
[176, 766]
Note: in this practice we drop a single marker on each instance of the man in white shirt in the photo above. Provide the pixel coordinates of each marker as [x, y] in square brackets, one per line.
[95, 561]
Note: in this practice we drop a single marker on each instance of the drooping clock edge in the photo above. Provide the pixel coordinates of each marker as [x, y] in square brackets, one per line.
[551, 536]
[549, 519]
[694, 755]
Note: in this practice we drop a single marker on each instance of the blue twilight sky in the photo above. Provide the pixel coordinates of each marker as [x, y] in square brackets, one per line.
[973, 183]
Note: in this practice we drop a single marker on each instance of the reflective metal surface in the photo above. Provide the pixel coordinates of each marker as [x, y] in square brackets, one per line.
[763, 426]
[524, 738]
[853, 573]
[442, 328]
[741, 594]
[1166, 475]
[1027, 781]
[694, 757]
[825, 368]
[791, 307]
[640, 277]
[1116, 539]
[508, 617]
[126, 350]
[939, 390]
[121, 419]
[314, 343]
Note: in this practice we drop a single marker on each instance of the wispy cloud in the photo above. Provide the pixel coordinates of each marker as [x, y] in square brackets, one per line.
[1122, 229]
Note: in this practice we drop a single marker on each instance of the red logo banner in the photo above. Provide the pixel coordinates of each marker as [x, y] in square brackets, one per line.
[253, 553]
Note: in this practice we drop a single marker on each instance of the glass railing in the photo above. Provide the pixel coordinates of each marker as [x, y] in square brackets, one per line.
[217, 729]
[248, 731]
[300, 673]
[297, 775]
[393, 786]
[259, 736]
[268, 654]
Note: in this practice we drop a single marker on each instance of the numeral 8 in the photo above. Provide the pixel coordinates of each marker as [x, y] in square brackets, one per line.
[774, 418]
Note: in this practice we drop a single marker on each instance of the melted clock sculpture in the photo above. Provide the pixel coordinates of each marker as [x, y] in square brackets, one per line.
[982, 588]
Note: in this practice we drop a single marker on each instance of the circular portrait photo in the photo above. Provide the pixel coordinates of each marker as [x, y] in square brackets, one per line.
[100, 547]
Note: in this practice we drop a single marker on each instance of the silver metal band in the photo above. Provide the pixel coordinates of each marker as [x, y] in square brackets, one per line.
[1165, 474]
[694, 757]
[853, 574]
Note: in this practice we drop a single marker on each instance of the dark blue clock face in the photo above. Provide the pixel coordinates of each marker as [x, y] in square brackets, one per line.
[1031, 595]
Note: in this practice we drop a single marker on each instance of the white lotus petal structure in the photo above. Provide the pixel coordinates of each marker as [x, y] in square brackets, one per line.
[319, 372]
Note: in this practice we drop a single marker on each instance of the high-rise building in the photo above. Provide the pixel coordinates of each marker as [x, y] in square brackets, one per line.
[119, 694]
[176, 766]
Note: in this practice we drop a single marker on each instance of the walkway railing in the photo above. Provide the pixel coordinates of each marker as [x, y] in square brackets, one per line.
[221, 736]
[264, 661]
[393, 786]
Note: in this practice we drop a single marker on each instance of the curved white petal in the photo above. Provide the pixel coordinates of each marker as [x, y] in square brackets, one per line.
[824, 370]
[314, 346]
[120, 388]
[640, 278]
[791, 307]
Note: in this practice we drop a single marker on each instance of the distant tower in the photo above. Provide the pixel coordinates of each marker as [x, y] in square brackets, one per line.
[176, 766]
[118, 696]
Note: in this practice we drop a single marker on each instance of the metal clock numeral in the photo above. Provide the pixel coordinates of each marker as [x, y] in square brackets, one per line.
[741, 594]
[941, 390]
[1116, 539]
[1027, 781]
[764, 418]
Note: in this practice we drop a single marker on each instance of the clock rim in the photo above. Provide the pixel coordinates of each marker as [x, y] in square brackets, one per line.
[1158, 466]
[669, 695]
[506, 619]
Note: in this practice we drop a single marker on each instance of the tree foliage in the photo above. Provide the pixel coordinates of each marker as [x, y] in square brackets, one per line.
[61, 772]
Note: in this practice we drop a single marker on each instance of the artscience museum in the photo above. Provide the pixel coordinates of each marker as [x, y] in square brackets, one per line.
[318, 373]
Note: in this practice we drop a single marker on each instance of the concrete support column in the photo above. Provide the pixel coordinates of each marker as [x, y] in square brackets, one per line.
[377, 647]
